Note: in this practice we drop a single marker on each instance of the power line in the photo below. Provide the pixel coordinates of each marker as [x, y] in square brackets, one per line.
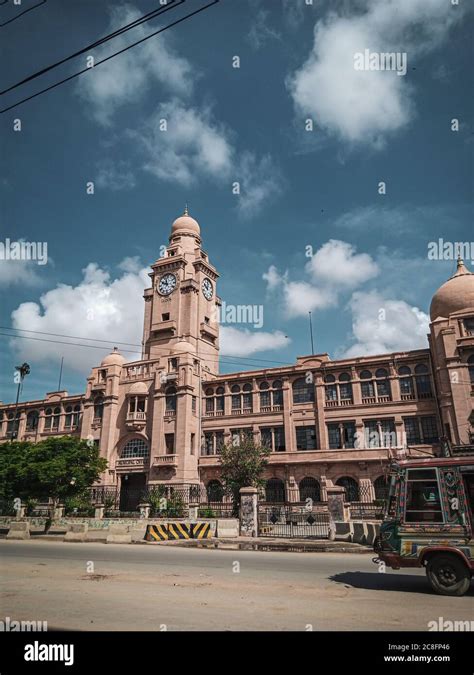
[121, 51]
[129, 344]
[97, 43]
[131, 351]
[21, 14]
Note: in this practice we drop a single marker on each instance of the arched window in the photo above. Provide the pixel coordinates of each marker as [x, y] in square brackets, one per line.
[136, 447]
[303, 392]
[51, 419]
[32, 420]
[209, 401]
[406, 382]
[236, 397]
[274, 490]
[170, 399]
[220, 400]
[247, 397]
[331, 388]
[277, 392]
[383, 383]
[470, 363]
[351, 487]
[310, 489]
[11, 426]
[381, 487]
[265, 396]
[345, 387]
[367, 385]
[215, 491]
[98, 409]
[423, 381]
[71, 419]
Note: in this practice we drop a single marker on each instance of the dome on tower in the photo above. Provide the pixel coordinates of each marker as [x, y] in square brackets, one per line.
[185, 225]
[456, 294]
[113, 359]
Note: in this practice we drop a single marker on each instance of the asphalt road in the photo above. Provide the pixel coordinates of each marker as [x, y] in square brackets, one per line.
[113, 587]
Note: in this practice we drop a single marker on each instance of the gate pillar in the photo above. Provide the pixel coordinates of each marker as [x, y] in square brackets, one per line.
[335, 497]
[248, 512]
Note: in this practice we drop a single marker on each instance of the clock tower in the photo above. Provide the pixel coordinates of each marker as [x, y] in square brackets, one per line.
[181, 307]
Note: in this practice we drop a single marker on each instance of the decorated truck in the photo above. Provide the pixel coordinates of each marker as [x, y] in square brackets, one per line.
[429, 519]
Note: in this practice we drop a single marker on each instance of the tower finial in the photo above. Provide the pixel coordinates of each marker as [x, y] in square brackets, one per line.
[460, 261]
[186, 212]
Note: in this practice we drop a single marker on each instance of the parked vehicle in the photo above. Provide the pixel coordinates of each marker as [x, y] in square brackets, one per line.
[429, 519]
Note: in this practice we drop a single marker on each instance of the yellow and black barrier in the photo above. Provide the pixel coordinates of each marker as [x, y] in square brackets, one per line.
[201, 530]
[156, 532]
[179, 531]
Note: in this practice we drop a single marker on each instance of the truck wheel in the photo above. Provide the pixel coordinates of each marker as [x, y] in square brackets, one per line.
[448, 575]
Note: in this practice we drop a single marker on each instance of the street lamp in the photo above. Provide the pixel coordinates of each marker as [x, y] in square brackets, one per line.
[24, 370]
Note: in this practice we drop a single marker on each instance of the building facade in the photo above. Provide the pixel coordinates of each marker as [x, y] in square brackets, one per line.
[163, 419]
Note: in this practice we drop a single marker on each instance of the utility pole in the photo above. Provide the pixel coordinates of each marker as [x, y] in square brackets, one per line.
[311, 332]
[24, 370]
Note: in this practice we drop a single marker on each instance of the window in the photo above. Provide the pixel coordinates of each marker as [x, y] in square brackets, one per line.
[220, 400]
[193, 404]
[273, 438]
[381, 485]
[423, 504]
[331, 389]
[169, 444]
[265, 396]
[136, 447]
[193, 443]
[310, 489]
[51, 419]
[32, 420]
[421, 430]
[170, 395]
[277, 393]
[345, 387]
[382, 382]
[341, 435]
[247, 397]
[241, 435]
[423, 381]
[306, 438]
[11, 426]
[303, 392]
[236, 398]
[469, 325]
[470, 365]
[366, 385]
[172, 365]
[274, 490]
[208, 443]
[98, 408]
[406, 382]
[209, 402]
[71, 419]
[351, 487]
[380, 433]
[165, 317]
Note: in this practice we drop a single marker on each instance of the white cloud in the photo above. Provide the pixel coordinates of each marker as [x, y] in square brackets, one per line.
[364, 106]
[261, 31]
[337, 263]
[260, 180]
[192, 145]
[24, 272]
[244, 342]
[333, 269]
[115, 175]
[99, 307]
[380, 325]
[126, 77]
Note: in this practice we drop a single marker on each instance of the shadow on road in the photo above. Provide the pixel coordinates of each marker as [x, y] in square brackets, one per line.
[384, 582]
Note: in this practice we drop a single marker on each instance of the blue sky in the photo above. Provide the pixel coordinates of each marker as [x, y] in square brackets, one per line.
[301, 192]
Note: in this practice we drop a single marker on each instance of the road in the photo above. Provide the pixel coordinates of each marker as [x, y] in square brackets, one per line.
[119, 587]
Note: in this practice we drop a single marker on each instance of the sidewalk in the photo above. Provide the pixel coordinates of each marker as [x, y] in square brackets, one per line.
[268, 544]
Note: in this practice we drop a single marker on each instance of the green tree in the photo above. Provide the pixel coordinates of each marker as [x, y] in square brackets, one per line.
[60, 468]
[242, 466]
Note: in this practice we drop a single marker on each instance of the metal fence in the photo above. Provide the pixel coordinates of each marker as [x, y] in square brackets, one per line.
[288, 521]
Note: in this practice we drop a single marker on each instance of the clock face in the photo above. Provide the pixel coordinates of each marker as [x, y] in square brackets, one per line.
[207, 289]
[167, 284]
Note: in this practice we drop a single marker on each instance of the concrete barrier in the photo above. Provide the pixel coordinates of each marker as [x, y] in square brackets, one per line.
[119, 534]
[358, 531]
[19, 529]
[77, 532]
[227, 527]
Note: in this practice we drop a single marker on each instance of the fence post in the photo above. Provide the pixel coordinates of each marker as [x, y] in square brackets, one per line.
[99, 510]
[336, 508]
[248, 512]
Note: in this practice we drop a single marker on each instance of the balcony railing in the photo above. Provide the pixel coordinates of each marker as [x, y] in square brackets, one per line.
[166, 460]
[136, 417]
[271, 408]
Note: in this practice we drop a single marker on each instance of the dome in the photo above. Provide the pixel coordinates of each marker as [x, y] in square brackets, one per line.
[185, 225]
[455, 294]
[183, 347]
[113, 359]
[138, 388]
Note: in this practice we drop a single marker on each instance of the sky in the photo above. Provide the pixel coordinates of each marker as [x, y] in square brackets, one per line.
[319, 187]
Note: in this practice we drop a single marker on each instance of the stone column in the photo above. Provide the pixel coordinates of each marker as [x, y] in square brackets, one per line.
[248, 512]
[335, 495]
